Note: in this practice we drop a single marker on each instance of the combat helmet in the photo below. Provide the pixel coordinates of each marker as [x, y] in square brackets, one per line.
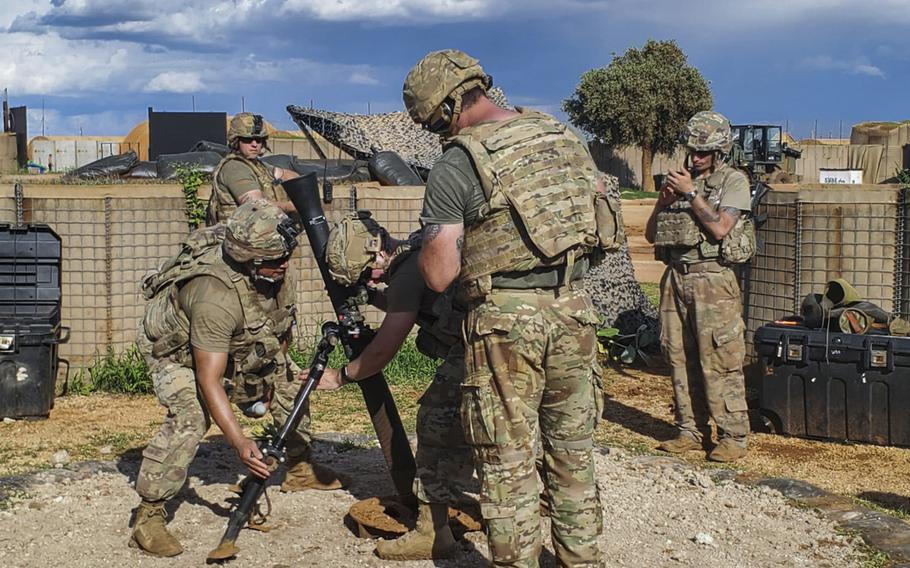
[707, 131]
[246, 125]
[259, 231]
[434, 87]
[354, 243]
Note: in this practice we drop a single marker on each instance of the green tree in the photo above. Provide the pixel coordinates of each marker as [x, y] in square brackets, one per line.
[643, 97]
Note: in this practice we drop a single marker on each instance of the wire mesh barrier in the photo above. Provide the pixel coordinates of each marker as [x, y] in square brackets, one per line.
[112, 235]
[812, 236]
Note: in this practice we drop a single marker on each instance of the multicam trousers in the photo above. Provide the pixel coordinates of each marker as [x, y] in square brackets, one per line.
[532, 373]
[702, 337]
[444, 463]
[167, 457]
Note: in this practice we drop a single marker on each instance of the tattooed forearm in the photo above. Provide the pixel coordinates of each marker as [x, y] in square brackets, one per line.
[430, 232]
[706, 215]
[731, 211]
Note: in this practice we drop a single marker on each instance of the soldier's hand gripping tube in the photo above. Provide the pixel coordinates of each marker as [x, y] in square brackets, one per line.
[304, 194]
[273, 451]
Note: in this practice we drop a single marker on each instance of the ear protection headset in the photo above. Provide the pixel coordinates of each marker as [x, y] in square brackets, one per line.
[447, 112]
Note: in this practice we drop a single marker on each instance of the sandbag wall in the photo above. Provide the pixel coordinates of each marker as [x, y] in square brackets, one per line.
[815, 233]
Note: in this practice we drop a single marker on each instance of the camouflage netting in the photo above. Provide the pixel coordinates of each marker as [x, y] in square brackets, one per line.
[362, 135]
[615, 291]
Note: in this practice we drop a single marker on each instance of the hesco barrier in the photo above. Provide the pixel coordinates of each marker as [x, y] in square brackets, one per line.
[815, 233]
[113, 234]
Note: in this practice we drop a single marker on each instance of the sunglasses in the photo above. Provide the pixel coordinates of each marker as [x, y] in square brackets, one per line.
[251, 139]
[273, 263]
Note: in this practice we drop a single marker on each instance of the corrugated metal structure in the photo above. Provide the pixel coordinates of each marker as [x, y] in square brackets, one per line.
[63, 153]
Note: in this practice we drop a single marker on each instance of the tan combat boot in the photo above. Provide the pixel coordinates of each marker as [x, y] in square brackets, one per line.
[431, 540]
[305, 475]
[728, 450]
[682, 443]
[150, 531]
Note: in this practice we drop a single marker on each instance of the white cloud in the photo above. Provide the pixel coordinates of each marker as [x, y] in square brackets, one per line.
[45, 64]
[175, 82]
[398, 10]
[853, 66]
[362, 78]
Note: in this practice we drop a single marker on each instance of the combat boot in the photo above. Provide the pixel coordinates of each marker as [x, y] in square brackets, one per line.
[305, 475]
[728, 450]
[682, 443]
[431, 539]
[150, 531]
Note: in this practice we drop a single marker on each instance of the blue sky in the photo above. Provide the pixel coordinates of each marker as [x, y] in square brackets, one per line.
[96, 65]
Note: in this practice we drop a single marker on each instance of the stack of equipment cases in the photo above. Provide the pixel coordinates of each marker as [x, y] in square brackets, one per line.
[30, 330]
[839, 386]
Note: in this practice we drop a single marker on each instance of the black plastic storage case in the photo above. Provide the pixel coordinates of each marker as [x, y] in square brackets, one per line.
[30, 330]
[839, 386]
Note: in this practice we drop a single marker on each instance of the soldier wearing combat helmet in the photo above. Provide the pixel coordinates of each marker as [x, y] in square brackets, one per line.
[701, 227]
[241, 176]
[219, 317]
[509, 210]
[360, 251]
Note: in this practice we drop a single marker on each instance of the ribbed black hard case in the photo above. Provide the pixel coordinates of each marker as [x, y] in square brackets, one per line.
[30, 331]
[820, 384]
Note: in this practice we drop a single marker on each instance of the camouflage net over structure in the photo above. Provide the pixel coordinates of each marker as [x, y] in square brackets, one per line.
[616, 293]
[362, 135]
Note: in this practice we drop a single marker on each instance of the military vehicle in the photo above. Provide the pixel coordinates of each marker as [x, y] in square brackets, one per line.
[759, 150]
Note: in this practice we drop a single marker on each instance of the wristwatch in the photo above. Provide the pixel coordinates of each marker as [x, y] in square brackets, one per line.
[345, 379]
[690, 197]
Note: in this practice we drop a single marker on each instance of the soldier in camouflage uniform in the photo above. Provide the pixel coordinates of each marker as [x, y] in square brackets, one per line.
[241, 176]
[510, 211]
[700, 227]
[360, 251]
[220, 310]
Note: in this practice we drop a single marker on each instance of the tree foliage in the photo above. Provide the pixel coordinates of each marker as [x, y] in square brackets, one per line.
[643, 97]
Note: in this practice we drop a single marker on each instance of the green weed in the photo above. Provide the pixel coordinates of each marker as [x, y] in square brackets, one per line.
[410, 367]
[652, 292]
[124, 372]
[630, 193]
[191, 178]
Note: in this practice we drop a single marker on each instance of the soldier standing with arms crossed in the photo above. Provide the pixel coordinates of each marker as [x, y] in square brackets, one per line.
[241, 176]
[699, 230]
[509, 209]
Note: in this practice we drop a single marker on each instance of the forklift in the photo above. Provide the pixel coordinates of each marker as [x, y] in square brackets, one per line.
[759, 151]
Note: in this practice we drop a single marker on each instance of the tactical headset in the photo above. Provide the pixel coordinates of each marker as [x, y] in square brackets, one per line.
[447, 112]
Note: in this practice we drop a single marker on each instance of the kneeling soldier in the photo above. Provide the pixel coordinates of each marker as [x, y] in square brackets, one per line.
[220, 309]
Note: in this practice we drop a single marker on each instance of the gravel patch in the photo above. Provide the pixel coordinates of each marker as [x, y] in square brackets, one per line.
[658, 512]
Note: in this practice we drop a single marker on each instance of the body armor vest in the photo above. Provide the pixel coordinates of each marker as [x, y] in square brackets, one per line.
[677, 227]
[222, 204]
[539, 182]
[255, 356]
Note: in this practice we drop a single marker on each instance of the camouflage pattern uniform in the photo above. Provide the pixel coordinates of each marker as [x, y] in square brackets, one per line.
[257, 358]
[531, 359]
[700, 306]
[444, 466]
[223, 202]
